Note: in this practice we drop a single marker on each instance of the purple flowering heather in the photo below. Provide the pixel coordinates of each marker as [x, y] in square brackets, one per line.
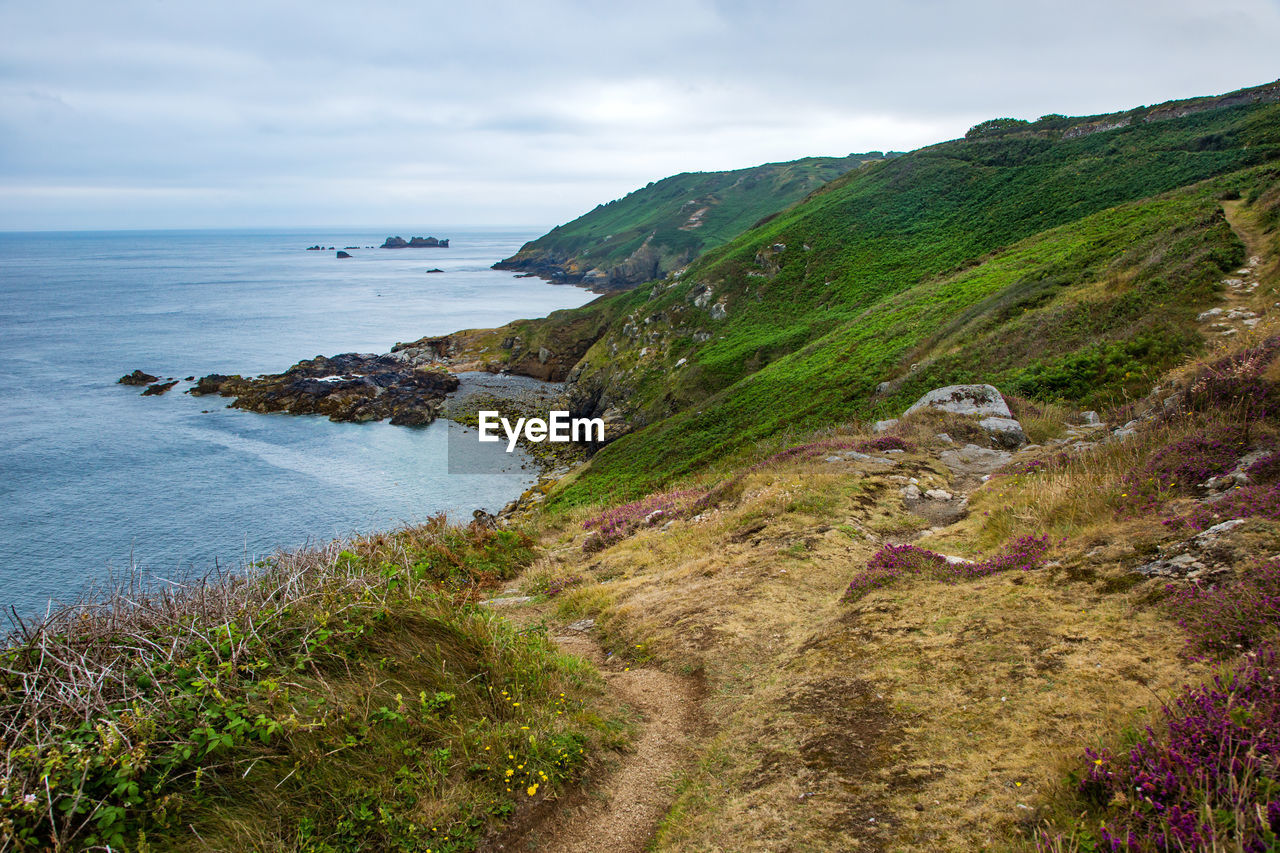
[1222, 619]
[1243, 502]
[897, 561]
[1206, 777]
[619, 522]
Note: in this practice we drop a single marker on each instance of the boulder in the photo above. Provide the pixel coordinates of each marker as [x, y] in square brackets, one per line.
[981, 400]
[972, 459]
[342, 254]
[137, 378]
[1004, 432]
[211, 384]
[884, 426]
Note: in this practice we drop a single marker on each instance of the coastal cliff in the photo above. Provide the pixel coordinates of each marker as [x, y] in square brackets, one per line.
[657, 229]
[945, 516]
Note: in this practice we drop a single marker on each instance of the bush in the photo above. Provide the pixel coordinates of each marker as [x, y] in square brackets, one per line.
[1204, 778]
[897, 561]
[995, 127]
[1223, 619]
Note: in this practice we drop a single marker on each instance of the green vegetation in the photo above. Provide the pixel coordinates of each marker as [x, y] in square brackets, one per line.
[652, 231]
[347, 698]
[1059, 268]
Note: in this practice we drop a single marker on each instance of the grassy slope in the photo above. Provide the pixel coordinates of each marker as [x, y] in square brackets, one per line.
[878, 267]
[344, 698]
[930, 716]
[660, 213]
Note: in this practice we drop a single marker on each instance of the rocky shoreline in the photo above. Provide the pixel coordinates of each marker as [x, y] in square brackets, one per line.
[356, 387]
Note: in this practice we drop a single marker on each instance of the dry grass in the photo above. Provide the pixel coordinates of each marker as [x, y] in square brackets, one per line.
[925, 717]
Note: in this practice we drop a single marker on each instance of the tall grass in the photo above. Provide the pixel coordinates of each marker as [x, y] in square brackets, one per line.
[338, 697]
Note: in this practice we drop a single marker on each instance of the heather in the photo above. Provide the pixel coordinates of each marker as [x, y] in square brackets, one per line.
[892, 563]
[1181, 465]
[1206, 776]
[617, 523]
[1241, 502]
[1237, 383]
[1221, 619]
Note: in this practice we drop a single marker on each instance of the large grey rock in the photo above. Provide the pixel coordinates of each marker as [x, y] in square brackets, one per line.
[972, 459]
[884, 426]
[1005, 432]
[981, 400]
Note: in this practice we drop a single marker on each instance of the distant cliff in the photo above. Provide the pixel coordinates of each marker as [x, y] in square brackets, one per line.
[664, 225]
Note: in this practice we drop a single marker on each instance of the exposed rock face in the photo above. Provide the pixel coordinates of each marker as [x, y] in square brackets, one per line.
[137, 378]
[1206, 553]
[414, 243]
[347, 387]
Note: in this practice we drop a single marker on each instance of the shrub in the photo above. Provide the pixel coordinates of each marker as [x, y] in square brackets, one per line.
[1222, 619]
[1204, 778]
[995, 127]
[896, 561]
[310, 703]
[1266, 469]
[1179, 466]
[616, 523]
[1244, 502]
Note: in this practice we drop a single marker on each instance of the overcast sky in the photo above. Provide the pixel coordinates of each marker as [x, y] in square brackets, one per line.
[160, 113]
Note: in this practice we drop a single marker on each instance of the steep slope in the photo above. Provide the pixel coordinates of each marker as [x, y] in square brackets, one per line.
[658, 228]
[1046, 242]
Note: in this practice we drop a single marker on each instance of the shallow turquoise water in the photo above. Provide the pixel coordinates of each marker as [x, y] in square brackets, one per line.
[94, 476]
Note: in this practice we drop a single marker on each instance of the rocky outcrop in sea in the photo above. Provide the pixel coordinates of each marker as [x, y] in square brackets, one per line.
[415, 243]
[348, 387]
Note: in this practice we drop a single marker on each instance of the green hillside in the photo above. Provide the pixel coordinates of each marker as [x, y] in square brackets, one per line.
[656, 229]
[1067, 258]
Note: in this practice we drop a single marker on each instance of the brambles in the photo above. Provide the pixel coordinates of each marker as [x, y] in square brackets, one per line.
[353, 680]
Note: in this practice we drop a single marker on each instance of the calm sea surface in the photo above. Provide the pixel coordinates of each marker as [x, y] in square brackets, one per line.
[94, 476]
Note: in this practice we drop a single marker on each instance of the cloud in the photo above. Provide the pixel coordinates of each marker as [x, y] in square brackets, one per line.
[139, 113]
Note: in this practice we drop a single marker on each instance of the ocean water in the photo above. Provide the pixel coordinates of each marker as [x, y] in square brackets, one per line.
[95, 478]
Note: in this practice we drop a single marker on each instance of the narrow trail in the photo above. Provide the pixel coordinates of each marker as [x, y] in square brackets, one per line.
[1242, 307]
[619, 811]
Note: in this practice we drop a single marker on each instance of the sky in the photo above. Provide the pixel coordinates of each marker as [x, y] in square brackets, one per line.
[158, 113]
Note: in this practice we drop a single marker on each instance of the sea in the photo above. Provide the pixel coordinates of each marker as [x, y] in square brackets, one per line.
[97, 480]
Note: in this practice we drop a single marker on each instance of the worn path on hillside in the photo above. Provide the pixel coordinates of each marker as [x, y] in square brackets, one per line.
[1242, 305]
[620, 811]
